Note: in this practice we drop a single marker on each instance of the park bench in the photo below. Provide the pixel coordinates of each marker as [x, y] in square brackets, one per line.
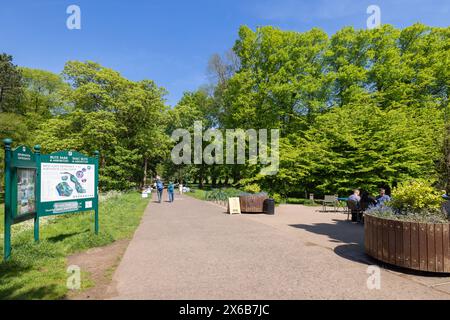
[329, 201]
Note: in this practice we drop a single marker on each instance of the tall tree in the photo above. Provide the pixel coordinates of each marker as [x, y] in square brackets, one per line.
[10, 86]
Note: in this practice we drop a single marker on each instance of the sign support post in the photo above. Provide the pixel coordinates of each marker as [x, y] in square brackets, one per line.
[8, 213]
[96, 155]
[37, 156]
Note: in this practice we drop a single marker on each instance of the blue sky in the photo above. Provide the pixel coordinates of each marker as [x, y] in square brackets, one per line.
[171, 41]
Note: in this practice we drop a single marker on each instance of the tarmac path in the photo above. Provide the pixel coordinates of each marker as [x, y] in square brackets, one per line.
[191, 249]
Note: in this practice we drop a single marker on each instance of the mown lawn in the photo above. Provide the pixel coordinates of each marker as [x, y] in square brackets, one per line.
[197, 194]
[305, 202]
[38, 271]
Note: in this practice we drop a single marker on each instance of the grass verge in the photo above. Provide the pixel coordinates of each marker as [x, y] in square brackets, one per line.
[38, 271]
[197, 194]
[305, 202]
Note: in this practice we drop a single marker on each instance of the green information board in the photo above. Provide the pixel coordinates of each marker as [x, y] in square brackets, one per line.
[39, 185]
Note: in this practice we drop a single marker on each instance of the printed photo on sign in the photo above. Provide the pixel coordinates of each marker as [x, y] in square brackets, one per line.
[61, 182]
[26, 179]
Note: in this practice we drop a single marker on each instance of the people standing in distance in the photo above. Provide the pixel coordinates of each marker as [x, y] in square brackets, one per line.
[170, 191]
[159, 189]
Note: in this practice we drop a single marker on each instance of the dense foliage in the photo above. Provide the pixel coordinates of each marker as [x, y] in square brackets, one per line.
[415, 200]
[416, 196]
[88, 108]
[358, 109]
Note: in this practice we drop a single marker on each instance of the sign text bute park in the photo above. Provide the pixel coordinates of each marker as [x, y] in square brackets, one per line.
[39, 185]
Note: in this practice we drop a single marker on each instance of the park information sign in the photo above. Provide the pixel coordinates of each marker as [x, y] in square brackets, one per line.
[38, 185]
[68, 183]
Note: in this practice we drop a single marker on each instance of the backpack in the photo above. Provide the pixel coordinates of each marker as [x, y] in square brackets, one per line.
[159, 185]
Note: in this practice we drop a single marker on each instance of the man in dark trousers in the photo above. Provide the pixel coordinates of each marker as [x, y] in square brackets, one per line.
[159, 189]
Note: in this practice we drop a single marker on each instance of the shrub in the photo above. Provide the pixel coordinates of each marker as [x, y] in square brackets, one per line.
[415, 201]
[389, 213]
[252, 188]
[277, 198]
[221, 194]
[305, 202]
[416, 197]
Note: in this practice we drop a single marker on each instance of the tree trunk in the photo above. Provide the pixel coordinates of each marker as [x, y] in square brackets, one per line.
[200, 178]
[144, 181]
[236, 174]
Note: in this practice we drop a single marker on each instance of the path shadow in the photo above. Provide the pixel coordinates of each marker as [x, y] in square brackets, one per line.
[17, 293]
[349, 233]
[355, 253]
[245, 213]
[352, 236]
[331, 211]
[9, 271]
[338, 231]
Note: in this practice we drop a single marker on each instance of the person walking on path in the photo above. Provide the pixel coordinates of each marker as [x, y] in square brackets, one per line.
[170, 190]
[180, 187]
[159, 188]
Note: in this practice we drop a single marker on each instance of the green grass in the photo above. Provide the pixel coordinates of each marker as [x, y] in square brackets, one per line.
[305, 202]
[38, 271]
[197, 194]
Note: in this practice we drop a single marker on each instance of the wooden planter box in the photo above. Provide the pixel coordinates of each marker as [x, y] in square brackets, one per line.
[252, 204]
[418, 246]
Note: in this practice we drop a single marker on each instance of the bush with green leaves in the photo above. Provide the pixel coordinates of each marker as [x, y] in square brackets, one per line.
[416, 197]
[414, 201]
[277, 198]
[222, 194]
[252, 188]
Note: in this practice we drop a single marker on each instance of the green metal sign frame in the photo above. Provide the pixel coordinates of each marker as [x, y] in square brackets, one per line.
[39, 185]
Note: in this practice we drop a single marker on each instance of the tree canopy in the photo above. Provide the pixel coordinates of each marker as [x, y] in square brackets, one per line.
[357, 109]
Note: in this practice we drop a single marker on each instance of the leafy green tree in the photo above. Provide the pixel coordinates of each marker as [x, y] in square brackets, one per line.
[363, 108]
[12, 126]
[114, 114]
[10, 86]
